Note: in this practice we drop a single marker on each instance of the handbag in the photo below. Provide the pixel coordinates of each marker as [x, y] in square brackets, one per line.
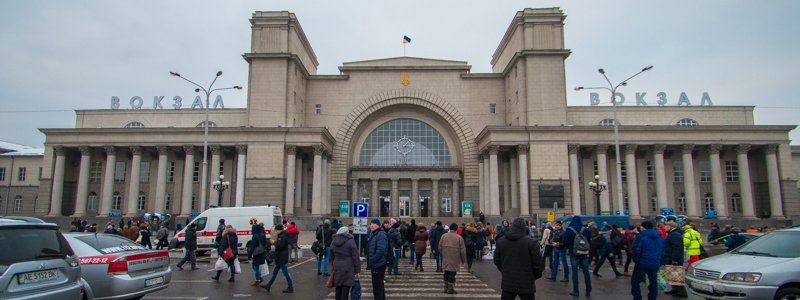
[227, 254]
[260, 249]
[355, 291]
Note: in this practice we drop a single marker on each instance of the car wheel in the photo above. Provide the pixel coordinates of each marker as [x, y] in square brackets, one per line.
[789, 293]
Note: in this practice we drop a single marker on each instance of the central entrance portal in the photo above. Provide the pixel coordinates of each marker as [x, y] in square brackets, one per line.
[405, 204]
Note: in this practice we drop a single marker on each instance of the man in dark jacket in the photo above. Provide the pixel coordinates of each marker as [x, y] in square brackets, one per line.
[734, 240]
[189, 245]
[577, 260]
[378, 250]
[673, 252]
[518, 259]
[648, 252]
[436, 235]
[715, 233]
[281, 259]
[411, 230]
[394, 245]
[324, 236]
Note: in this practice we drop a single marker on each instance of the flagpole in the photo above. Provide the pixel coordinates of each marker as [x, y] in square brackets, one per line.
[404, 49]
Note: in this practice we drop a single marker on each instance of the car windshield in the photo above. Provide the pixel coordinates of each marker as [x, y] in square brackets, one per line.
[27, 244]
[107, 243]
[776, 244]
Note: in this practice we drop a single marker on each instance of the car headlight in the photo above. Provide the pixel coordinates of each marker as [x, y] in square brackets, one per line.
[742, 277]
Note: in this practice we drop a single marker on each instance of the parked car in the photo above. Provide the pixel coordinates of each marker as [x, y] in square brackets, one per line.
[114, 267]
[24, 219]
[764, 268]
[36, 262]
[717, 246]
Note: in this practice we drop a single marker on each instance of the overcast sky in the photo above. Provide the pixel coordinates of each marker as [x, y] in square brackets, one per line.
[58, 56]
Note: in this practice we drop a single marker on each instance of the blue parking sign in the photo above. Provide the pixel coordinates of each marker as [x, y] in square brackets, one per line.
[360, 209]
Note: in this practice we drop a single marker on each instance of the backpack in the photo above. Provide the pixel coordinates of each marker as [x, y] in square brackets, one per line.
[580, 246]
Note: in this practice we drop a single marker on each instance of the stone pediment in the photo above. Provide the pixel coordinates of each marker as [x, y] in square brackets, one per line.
[405, 62]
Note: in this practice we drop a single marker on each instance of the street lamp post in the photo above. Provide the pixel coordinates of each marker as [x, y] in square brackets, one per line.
[613, 90]
[597, 188]
[207, 91]
[220, 185]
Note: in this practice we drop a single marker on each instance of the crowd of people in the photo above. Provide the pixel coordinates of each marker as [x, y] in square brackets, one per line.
[139, 230]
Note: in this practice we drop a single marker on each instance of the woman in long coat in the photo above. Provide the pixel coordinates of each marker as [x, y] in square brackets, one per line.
[259, 239]
[228, 240]
[454, 254]
[346, 263]
[420, 244]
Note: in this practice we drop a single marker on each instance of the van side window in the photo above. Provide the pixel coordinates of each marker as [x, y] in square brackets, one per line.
[201, 223]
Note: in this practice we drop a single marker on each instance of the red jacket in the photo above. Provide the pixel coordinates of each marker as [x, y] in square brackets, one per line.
[292, 229]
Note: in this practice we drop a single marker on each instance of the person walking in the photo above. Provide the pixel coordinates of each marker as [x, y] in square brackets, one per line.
[324, 235]
[673, 252]
[606, 253]
[395, 245]
[189, 246]
[377, 253]
[346, 262]
[454, 255]
[469, 242]
[281, 250]
[576, 241]
[692, 241]
[630, 236]
[420, 245]
[648, 251]
[519, 261]
[145, 233]
[257, 251]
[411, 233]
[220, 231]
[435, 236]
[162, 235]
[229, 240]
[559, 252]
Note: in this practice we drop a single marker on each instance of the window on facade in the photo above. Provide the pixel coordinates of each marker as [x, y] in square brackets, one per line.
[196, 172]
[317, 109]
[653, 202]
[22, 173]
[167, 202]
[682, 202]
[144, 172]
[95, 172]
[625, 202]
[705, 171]
[651, 171]
[624, 172]
[492, 108]
[731, 171]
[211, 124]
[17, 203]
[221, 168]
[595, 168]
[40, 173]
[91, 202]
[708, 202]
[119, 172]
[134, 124]
[607, 122]
[142, 204]
[2, 174]
[194, 201]
[736, 203]
[171, 171]
[404, 142]
[677, 168]
[116, 203]
[687, 122]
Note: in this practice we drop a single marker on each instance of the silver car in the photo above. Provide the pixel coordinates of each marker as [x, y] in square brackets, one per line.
[37, 263]
[767, 267]
[114, 267]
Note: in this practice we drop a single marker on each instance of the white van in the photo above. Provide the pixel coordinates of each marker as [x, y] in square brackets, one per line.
[240, 218]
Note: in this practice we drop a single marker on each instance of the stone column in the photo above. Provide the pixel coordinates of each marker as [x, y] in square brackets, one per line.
[327, 186]
[494, 182]
[58, 183]
[298, 181]
[632, 181]
[456, 200]
[241, 165]
[326, 210]
[524, 199]
[395, 203]
[602, 170]
[316, 188]
[745, 186]
[108, 181]
[188, 182]
[435, 199]
[661, 175]
[414, 203]
[773, 179]
[513, 173]
[133, 183]
[161, 183]
[487, 200]
[575, 185]
[83, 182]
[689, 183]
[506, 187]
[290, 180]
[213, 194]
[375, 201]
[717, 183]
[482, 183]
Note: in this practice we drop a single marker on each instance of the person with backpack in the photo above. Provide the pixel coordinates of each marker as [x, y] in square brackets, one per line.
[576, 241]
[519, 261]
[377, 254]
[648, 252]
[324, 236]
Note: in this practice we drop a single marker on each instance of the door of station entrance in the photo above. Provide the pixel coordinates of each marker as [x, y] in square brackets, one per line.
[386, 203]
[405, 203]
[424, 203]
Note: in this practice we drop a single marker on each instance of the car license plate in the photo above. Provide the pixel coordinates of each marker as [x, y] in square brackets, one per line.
[703, 287]
[38, 276]
[153, 281]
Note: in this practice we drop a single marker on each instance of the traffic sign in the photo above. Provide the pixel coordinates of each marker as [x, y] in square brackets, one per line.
[360, 225]
[551, 216]
[360, 210]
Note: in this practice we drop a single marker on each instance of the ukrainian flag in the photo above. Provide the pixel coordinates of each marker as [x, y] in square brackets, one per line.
[406, 39]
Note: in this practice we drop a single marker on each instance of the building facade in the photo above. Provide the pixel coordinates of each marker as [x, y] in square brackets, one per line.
[418, 137]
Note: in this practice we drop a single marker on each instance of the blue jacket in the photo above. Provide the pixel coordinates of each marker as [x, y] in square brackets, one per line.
[673, 248]
[569, 235]
[436, 236]
[648, 249]
[394, 239]
[378, 249]
[734, 241]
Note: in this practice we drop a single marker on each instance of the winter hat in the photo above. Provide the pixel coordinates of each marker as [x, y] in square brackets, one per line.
[279, 227]
[672, 224]
[342, 230]
[376, 221]
[647, 225]
[519, 224]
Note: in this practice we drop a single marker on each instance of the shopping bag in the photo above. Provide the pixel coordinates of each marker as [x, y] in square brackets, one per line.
[220, 265]
[489, 255]
[673, 275]
[264, 269]
[355, 291]
[236, 266]
[662, 284]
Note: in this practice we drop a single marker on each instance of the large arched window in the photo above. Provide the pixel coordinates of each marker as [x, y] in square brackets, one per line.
[211, 124]
[607, 122]
[687, 122]
[134, 124]
[404, 142]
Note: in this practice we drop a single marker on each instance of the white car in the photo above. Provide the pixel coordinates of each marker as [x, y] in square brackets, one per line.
[767, 267]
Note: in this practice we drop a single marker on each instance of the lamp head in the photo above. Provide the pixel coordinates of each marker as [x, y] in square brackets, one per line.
[596, 176]
[196, 90]
[578, 88]
[237, 87]
[601, 71]
[219, 73]
[221, 177]
[648, 68]
[174, 74]
[624, 83]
